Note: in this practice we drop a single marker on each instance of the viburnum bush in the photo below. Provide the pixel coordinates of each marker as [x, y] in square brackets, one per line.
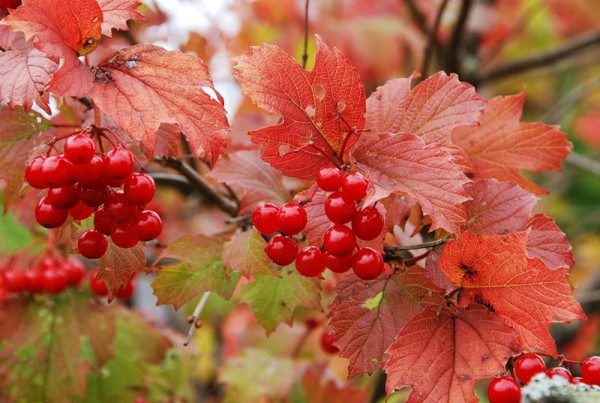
[397, 223]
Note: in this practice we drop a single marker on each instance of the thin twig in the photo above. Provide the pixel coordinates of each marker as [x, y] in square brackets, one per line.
[583, 162]
[430, 244]
[555, 112]
[177, 181]
[305, 52]
[195, 318]
[540, 60]
[453, 50]
[416, 15]
[431, 39]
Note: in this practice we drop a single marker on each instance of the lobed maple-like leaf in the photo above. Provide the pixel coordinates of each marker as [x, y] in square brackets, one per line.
[441, 353]
[142, 86]
[117, 12]
[118, 266]
[548, 243]
[431, 110]
[365, 316]
[200, 269]
[495, 271]
[319, 108]
[245, 253]
[256, 180]
[501, 146]
[427, 173]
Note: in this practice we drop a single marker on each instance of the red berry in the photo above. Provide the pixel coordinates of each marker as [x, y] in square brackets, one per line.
[367, 223]
[264, 218]
[282, 250]
[54, 281]
[15, 280]
[63, 197]
[93, 196]
[49, 262]
[34, 280]
[590, 370]
[92, 244]
[57, 171]
[327, 343]
[74, 270]
[118, 165]
[79, 149]
[91, 173]
[329, 178]
[504, 389]
[147, 225]
[338, 263]
[97, 285]
[34, 175]
[124, 237]
[103, 222]
[292, 218]
[559, 371]
[81, 211]
[528, 365]
[339, 240]
[339, 209]
[139, 189]
[310, 261]
[49, 216]
[354, 186]
[126, 291]
[117, 206]
[367, 263]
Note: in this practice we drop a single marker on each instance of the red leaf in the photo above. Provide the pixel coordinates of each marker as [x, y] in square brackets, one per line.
[501, 146]
[142, 86]
[72, 79]
[117, 12]
[432, 110]
[311, 103]
[365, 316]
[7, 36]
[440, 354]
[548, 243]
[495, 271]
[118, 265]
[321, 388]
[404, 163]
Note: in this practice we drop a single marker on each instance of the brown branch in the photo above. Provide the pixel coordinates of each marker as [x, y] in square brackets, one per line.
[395, 252]
[305, 52]
[432, 39]
[453, 50]
[416, 15]
[177, 181]
[540, 60]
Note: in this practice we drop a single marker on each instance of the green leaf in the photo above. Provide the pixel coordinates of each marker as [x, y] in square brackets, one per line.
[13, 236]
[200, 269]
[274, 299]
[245, 254]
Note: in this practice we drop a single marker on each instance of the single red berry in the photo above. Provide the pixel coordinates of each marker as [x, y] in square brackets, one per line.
[103, 222]
[367, 223]
[139, 189]
[117, 206]
[118, 165]
[282, 250]
[125, 292]
[590, 370]
[63, 197]
[292, 218]
[74, 270]
[339, 240]
[310, 261]
[92, 244]
[34, 175]
[367, 263]
[81, 211]
[504, 389]
[93, 196]
[57, 171]
[49, 216]
[354, 186]
[92, 173]
[54, 281]
[329, 178]
[34, 280]
[15, 280]
[327, 343]
[79, 149]
[147, 225]
[339, 209]
[528, 365]
[124, 237]
[338, 263]
[264, 218]
[97, 285]
[559, 371]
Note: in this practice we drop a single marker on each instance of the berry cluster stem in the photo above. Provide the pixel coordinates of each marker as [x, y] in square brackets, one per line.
[195, 318]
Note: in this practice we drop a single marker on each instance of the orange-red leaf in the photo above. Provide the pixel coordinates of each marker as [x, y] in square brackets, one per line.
[118, 265]
[319, 107]
[501, 146]
[142, 86]
[117, 12]
[365, 316]
[440, 354]
[320, 387]
[495, 271]
[548, 243]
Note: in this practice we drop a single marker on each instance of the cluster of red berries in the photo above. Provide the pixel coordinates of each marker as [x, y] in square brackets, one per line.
[338, 252]
[99, 288]
[506, 389]
[52, 275]
[81, 183]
